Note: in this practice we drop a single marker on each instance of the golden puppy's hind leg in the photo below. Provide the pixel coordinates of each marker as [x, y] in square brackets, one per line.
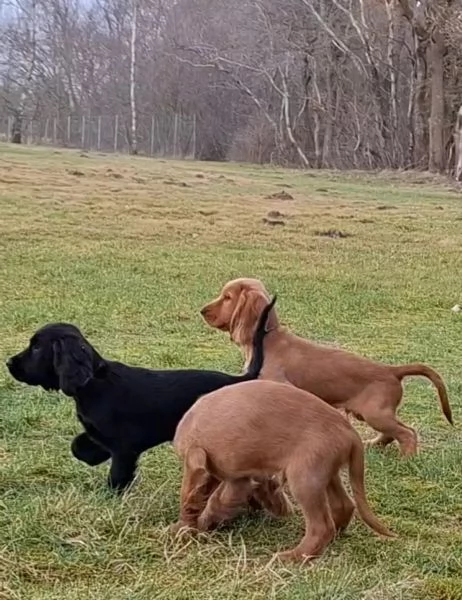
[196, 487]
[308, 483]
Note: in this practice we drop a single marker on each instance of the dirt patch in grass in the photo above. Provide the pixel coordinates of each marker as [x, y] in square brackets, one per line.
[280, 196]
[333, 233]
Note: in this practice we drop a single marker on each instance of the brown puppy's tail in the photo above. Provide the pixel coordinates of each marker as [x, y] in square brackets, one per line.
[422, 370]
[356, 472]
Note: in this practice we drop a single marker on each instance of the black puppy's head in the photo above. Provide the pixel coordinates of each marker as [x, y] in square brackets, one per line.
[58, 358]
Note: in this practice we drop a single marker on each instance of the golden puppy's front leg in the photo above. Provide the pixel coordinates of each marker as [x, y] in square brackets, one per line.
[269, 495]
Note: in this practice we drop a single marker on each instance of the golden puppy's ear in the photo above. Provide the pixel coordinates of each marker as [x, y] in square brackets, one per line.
[245, 316]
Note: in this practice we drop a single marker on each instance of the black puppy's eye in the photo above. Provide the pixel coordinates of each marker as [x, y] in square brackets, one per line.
[35, 349]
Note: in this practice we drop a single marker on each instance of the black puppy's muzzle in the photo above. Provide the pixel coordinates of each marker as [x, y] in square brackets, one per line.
[14, 367]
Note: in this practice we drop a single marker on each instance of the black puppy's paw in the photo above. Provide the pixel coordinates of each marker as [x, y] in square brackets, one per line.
[122, 472]
[85, 449]
[119, 487]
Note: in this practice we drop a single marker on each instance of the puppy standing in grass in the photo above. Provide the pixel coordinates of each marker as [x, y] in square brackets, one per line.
[124, 410]
[258, 429]
[371, 391]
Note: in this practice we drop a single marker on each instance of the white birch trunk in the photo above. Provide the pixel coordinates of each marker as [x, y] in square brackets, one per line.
[133, 146]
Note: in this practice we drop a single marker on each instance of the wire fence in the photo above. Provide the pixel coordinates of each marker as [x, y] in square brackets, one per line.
[172, 136]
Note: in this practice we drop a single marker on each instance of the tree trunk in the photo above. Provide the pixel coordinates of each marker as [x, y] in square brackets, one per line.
[16, 129]
[392, 78]
[421, 111]
[419, 108]
[133, 138]
[436, 150]
[458, 145]
[287, 120]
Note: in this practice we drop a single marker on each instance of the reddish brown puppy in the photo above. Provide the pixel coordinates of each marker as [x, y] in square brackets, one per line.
[254, 430]
[371, 391]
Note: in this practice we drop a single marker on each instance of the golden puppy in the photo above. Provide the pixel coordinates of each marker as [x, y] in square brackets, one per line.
[371, 391]
[254, 430]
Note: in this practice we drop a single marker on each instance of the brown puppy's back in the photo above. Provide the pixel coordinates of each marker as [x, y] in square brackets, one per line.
[259, 425]
[321, 368]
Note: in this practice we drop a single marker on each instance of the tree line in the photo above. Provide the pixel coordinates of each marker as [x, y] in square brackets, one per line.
[342, 84]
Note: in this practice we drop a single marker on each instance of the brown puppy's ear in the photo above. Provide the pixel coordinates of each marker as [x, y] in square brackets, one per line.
[73, 364]
[245, 316]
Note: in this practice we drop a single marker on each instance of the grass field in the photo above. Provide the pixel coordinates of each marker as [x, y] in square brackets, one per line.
[129, 249]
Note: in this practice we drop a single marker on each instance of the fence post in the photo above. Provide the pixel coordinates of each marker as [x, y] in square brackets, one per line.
[10, 124]
[116, 132]
[99, 133]
[175, 134]
[45, 134]
[54, 132]
[152, 135]
[194, 136]
[69, 130]
[31, 132]
[82, 140]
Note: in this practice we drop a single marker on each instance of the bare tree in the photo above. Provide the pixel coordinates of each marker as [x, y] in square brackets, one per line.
[133, 39]
[313, 83]
[21, 62]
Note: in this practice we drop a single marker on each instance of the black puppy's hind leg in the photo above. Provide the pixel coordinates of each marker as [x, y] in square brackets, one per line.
[85, 449]
[122, 471]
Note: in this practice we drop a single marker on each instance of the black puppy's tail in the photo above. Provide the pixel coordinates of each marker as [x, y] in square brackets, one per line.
[256, 363]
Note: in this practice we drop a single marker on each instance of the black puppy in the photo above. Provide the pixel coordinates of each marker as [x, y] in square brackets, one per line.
[124, 410]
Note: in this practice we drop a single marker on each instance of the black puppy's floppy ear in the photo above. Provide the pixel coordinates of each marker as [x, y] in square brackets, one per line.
[73, 364]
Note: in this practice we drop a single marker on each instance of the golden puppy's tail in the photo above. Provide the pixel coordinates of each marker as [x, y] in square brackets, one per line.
[423, 371]
[356, 472]
[256, 363]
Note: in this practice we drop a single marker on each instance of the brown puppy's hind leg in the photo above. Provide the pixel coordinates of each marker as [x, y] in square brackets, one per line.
[392, 427]
[377, 405]
[308, 483]
[341, 505]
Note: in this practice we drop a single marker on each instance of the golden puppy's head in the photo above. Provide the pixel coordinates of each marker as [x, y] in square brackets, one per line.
[237, 309]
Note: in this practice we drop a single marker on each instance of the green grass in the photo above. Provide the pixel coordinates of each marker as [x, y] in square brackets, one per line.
[130, 249]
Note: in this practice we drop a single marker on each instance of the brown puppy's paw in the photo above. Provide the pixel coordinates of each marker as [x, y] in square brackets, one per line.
[181, 528]
[207, 523]
[408, 452]
[293, 556]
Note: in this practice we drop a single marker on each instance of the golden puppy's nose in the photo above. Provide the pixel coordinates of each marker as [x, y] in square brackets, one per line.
[204, 310]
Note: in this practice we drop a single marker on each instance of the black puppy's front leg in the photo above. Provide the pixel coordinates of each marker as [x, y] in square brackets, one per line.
[88, 451]
[122, 471]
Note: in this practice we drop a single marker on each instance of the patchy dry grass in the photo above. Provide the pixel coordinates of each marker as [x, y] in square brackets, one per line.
[129, 249]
